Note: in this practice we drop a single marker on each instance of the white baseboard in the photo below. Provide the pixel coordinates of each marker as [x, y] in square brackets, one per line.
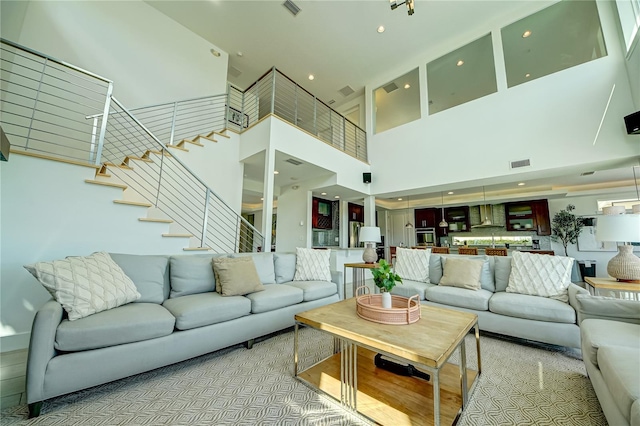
[14, 342]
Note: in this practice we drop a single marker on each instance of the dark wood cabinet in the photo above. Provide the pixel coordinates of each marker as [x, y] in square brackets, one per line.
[458, 218]
[528, 216]
[425, 218]
[321, 214]
[356, 213]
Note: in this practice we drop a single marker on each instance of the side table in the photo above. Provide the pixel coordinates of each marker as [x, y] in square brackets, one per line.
[611, 288]
[358, 279]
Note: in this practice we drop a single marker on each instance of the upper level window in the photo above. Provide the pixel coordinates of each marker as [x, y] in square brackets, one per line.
[629, 13]
[397, 102]
[556, 38]
[461, 76]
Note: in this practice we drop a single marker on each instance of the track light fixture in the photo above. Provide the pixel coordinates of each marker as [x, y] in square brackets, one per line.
[409, 3]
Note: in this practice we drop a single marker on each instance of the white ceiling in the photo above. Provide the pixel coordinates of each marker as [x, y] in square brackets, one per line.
[337, 41]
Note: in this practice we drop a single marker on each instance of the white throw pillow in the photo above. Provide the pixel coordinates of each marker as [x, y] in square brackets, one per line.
[412, 264]
[312, 265]
[85, 285]
[540, 275]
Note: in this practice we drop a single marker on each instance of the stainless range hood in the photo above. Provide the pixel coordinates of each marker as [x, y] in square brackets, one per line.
[488, 222]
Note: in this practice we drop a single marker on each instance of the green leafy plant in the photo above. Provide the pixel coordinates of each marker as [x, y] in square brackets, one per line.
[384, 278]
[566, 227]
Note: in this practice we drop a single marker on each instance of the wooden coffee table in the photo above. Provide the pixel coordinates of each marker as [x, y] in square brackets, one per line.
[351, 377]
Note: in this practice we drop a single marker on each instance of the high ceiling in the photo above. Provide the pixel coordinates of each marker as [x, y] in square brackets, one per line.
[338, 42]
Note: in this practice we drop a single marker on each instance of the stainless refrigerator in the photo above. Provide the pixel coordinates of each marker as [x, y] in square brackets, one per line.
[354, 234]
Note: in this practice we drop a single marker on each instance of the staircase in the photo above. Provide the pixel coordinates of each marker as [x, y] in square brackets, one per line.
[68, 114]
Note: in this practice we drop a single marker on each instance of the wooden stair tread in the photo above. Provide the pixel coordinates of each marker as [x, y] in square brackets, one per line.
[153, 219]
[133, 157]
[196, 249]
[133, 203]
[105, 175]
[208, 138]
[177, 235]
[178, 147]
[155, 151]
[192, 142]
[103, 183]
[121, 166]
[219, 134]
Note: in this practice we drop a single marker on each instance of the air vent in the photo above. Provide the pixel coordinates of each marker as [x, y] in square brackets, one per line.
[520, 163]
[294, 162]
[331, 102]
[346, 90]
[234, 72]
[291, 7]
[390, 87]
[586, 173]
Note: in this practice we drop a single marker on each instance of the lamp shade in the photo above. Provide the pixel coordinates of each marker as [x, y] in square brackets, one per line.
[618, 228]
[369, 234]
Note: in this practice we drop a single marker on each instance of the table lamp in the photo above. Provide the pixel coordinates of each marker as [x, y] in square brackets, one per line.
[625, 266]
[369, 235]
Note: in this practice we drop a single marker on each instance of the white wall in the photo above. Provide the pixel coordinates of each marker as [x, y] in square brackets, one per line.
[48, 212]
[586, 206]
[149, 57]
[292, 210]
[552, 121]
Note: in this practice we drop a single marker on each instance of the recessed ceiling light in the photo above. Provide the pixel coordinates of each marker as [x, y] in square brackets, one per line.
[323, 193]
[526, 34]
[239, 54]
[380, 29]
[337, 196]
[450, 193]
[527, 75]
[521, 184]
[406, 86]
[311, 77]
[460, 63]
[399, 199]
[275, 172]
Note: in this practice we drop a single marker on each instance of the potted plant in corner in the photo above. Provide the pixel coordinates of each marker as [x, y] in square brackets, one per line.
[385, 279]
[566, 227]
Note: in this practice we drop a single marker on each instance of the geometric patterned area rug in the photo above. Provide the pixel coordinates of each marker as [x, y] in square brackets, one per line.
[522, 383]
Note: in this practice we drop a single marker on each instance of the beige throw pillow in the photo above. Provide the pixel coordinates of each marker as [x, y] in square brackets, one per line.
[464, 273]
[236, 276]
[85, 285]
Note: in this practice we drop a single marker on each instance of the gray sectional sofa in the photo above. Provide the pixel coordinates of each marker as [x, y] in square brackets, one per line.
[518, 315]
[610, 331]
[179, 316]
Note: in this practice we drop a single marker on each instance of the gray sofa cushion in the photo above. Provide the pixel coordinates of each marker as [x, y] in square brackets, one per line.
[462, 297]
[192, 274]
[410, 288]
[532, 307]
[314, 290]
[285, 266]
[149, 273]
[274, 297]
[597, 333]
[619, 367]
[264, 265]
[198, 310]
[607, 308]
[435, 268]
[129, 323]
[502, 270]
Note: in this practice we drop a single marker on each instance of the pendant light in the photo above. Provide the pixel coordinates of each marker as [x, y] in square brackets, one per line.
[486, 221]
[408, 224]
[443, 223]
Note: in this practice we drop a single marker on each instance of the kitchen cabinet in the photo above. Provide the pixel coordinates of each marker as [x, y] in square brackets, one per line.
[356, 213]
[528, 216]
[425, 218]
[321, 214]
[458, 218]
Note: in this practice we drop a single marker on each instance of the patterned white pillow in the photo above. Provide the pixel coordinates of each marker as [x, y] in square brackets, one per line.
[312, 265]
[412, 264]
[85, 285]
[540, 275]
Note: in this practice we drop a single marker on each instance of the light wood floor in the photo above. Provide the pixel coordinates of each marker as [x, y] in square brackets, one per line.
[13, 367]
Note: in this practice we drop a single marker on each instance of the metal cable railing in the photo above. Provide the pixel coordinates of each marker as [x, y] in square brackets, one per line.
[55, 109]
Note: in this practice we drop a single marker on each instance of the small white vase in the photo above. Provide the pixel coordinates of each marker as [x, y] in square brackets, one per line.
[386, 300]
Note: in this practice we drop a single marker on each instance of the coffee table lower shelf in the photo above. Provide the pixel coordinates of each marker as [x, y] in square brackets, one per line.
[390, 399]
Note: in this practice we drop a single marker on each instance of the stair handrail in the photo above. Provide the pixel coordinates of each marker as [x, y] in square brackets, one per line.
[163, 146]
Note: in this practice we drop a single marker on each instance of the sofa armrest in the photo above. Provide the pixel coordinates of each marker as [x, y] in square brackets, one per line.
[573, 291]
[607, 308]
[336, 277]
[41, 347]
